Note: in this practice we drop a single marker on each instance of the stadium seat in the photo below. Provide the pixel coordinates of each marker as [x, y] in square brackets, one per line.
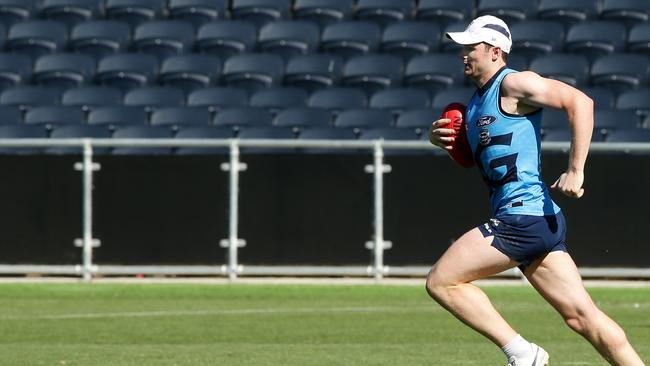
[27, 96]
[444, 12]
[446, 44]
[417, 120]
[620, 72]
[10, 115]
[15, 69]
[323, 12]
[275, 99]
[64, 70]
[89, 97]
[351, 38]
[253, 71]
[14, 11]
[100, 37]
[603, 98]
[135, 12]
[163, 37]
[260, 11]
[384, 12]
[606, 120]
[336, 99]
[190, 71]
[71, 12]
[638, 40]
[142, 132]
[54, 115]
[243, 117]
[288, 38]
[203, 133]
[557, 135]
[517, 62]
[388, 133]
[78, 131]
[154, 97]
[408, 38]
[554, 119]
[180, 117]
[397, 100]
[509, 11]
[596, 38]
[434, 72]
[638, 135]
[568, 12]
[628, 11]
[637, 100]
[303, 117]
[126, 71]
[216, 98]
[372, 72]
[460, 94]
[536, 38]
[36, 37]
[364, 118]
[117, 116]
[21, 132]
[568, 68]
[326, 133]
[226, 38]
[313, 72]
[265, 132]
[198, 12]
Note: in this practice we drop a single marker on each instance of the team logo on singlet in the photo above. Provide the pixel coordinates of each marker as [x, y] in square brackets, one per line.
[484, 136]
[485, 121]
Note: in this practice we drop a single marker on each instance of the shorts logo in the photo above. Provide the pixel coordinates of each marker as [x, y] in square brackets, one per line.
[487, 227]
[485, 121]
[484, 136]
[495, 222]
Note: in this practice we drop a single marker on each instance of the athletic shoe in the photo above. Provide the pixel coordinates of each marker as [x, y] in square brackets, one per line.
[540, 359]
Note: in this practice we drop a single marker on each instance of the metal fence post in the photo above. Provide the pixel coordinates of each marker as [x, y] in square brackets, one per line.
[233, 243]
[378, 245]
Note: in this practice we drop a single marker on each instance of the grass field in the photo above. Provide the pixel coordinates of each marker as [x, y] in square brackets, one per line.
[184, 324]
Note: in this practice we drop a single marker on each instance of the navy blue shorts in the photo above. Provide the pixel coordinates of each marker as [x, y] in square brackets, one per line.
[524, 238]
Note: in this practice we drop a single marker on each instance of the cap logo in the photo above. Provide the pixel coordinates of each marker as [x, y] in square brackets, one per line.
[498, 28]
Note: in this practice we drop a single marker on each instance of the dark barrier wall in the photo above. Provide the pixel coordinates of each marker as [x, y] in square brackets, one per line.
[296, 209]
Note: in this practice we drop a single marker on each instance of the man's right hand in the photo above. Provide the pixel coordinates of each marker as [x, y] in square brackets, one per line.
[441, 136]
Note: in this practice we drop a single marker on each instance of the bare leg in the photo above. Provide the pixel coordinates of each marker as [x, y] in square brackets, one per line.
[557, 279]
[471, 257]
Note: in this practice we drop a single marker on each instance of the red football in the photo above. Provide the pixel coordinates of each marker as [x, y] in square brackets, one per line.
[461, 153]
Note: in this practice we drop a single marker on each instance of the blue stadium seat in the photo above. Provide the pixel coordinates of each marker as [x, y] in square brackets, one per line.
[388, 133]
[603, 97]
[27, 96]
[163, 37]
[313, 72]
[190, 71]
[260, 11]
[126, 71]
[14, 11]
[323, 12]
[557, 135]
[536, 38]
[444, 12]
[117, 116]
[216, 98]
[417, 120]
[10, 115]
[639, 135]
[327, 133]
[303, 117]
[89, 97]
[607, 120]
[64, 70]
[596, 38]
[397, 100]
[71, 12]
[155, 97]
[449, 46]
[226, 38]
[568, 12]
[364, 118]
[21, 132]
[15, 69]
[266, 132]
[517, 62]
[637, 100]
[351, 38]
[384, 12]
[408, 38]
[78, 131]
[509, 11]
[554, 119]
[203, 133]
[434, 72]
[372, 72]
[135, 12]
[275, 99]
[337, 99]
[638, 40]
[628, 11]
[180, 117]
[198, 12]
[142, 132]
[288, 38]
[37, 37]
[243, 117]
[620, 72]
[253, 71]
[100, 37]
[568, 68]
[54, 115]
[460, 94]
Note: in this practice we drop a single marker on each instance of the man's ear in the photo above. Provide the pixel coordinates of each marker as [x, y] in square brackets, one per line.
[496, 53]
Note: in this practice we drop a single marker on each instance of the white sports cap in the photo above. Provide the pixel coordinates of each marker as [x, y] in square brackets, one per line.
[488, 29]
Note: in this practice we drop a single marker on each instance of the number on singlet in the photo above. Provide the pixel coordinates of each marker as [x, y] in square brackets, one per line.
[509, 161]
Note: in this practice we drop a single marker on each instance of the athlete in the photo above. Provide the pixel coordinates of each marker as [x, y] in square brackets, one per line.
[527, 228]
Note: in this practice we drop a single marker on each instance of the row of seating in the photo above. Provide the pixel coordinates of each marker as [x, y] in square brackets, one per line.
[323, 11]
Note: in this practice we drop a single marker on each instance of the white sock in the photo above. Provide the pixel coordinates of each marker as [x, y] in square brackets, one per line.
[518, 347]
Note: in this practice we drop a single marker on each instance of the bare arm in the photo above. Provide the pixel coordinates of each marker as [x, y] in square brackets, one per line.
[531, 89]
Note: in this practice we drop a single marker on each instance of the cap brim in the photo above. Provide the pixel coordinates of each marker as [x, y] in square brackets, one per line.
[464, 37]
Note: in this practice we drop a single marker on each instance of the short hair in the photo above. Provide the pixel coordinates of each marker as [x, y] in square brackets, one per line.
[504, 55]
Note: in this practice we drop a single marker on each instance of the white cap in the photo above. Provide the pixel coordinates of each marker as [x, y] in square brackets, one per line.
[488, 29]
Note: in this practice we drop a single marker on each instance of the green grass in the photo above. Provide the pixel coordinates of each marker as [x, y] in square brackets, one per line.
[164, 324]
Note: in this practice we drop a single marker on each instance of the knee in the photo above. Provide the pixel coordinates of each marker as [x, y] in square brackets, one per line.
[436, 286]
[594, 325]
